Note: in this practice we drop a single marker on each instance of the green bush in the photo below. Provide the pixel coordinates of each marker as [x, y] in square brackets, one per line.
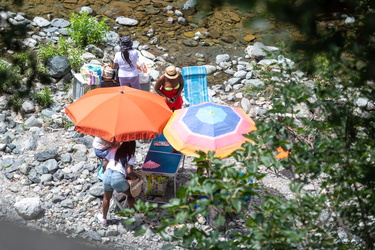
[10, 81]
[19, 75]
[85, 30]
[43, 98]
[62, 48]
[46, 51]
[334, 149]
[221, 197]
[75, 58]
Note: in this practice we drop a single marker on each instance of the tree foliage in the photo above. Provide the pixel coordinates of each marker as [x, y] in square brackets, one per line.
[19, 69]
[333, 145]
[85, 30]
[23, 68]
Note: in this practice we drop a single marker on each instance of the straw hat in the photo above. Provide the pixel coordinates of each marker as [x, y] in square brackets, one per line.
[171, 72]
[136, 186]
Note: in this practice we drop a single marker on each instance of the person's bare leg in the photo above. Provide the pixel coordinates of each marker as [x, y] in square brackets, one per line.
[106, 199]
[131, 199]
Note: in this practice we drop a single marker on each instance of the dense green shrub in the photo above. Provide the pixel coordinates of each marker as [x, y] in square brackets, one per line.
[62, 48]
[43, 98]
[333, 146]
[10, 79]
[85, 30]
[19, 74]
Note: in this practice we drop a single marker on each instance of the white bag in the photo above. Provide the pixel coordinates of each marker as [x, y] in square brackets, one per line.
[144, 76]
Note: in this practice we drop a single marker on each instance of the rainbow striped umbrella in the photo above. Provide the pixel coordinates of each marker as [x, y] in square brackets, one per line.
[208, 127]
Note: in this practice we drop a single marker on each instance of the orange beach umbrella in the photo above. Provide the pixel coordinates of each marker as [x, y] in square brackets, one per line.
[120, 113]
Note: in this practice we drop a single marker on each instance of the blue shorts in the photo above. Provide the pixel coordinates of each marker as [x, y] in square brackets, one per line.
[114, 180]
[102, 153]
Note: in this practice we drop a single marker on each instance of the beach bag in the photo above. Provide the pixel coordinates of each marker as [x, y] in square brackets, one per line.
[135, 186]
[91, 74]
[144, 76]
[155, 185]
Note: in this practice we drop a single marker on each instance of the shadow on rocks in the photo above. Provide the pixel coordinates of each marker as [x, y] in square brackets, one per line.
[13, 237]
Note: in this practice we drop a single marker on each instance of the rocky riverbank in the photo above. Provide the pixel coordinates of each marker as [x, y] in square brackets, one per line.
[48, 171]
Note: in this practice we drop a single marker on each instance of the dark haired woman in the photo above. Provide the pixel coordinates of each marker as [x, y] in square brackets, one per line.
[126, 61]
[119, 169]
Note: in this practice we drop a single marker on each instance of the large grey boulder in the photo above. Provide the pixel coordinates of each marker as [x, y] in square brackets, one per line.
[87, 9]
[19, 20]
[32, 121]
[97, 190]
[60, 23]
[259, 51]
[126, 21]
[28, 107]
[190, 4]
[222, 58]
[210, 69]
[45, 155]
[111, 38]
[28, 208]
[41, 21]
[58, 66]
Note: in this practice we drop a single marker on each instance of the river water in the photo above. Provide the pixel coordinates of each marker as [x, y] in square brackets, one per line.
[231, 28]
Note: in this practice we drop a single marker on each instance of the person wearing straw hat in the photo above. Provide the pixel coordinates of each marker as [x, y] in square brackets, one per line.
[170, 86]
[119, 170]
[107, 77]
[126, 62]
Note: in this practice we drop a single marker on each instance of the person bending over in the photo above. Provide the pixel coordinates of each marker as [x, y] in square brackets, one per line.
[119, 171]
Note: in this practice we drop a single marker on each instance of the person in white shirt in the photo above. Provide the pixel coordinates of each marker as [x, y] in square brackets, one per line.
[119, 171]
[126, 62]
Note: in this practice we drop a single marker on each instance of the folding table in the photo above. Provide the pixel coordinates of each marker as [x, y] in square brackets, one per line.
[162, 153]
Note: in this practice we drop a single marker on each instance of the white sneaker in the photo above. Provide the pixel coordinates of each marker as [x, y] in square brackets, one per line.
[101, 220]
